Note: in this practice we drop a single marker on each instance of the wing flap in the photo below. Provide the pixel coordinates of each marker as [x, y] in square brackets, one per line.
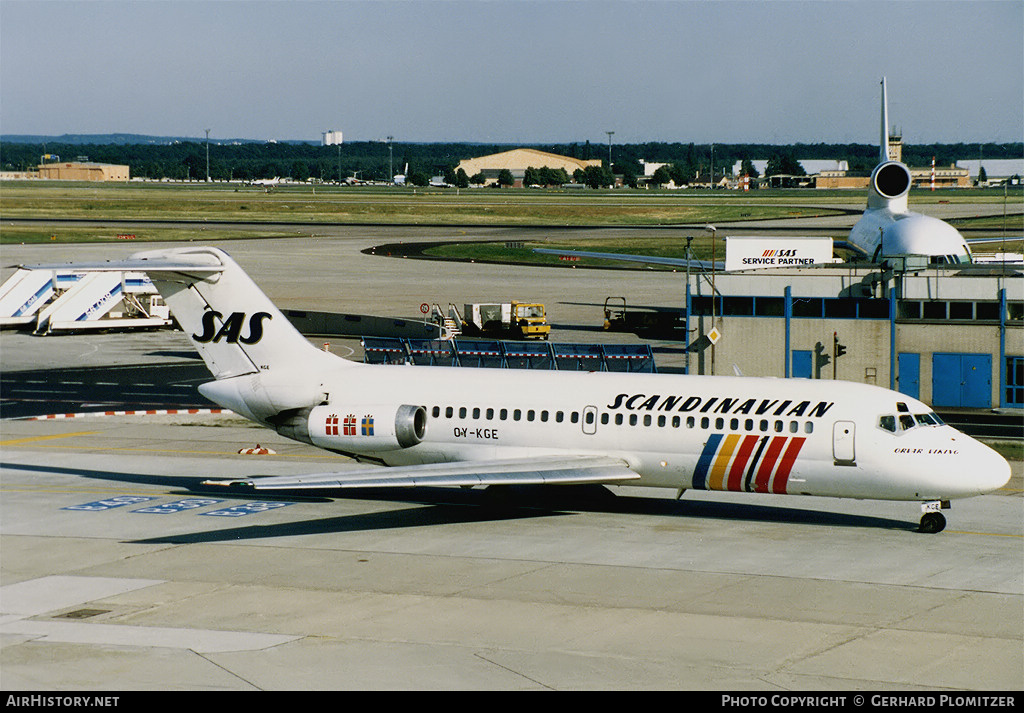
[564, 470]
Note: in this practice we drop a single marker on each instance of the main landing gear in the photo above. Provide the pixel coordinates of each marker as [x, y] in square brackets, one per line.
[932, 520]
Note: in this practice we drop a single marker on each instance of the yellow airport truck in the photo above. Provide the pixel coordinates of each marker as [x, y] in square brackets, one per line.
[504, 320]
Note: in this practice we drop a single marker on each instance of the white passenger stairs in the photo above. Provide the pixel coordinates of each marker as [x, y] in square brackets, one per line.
[451, 323]
[105, 300]
[25, 292]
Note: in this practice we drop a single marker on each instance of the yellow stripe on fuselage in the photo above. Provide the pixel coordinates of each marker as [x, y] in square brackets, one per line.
[718, 470]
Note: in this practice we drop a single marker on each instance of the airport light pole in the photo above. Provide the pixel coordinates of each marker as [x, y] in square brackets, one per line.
[207, 155]
[610, 134]
[391, 170]
[714, 293]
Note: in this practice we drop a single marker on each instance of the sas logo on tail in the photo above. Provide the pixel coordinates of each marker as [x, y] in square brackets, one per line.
[231, 328]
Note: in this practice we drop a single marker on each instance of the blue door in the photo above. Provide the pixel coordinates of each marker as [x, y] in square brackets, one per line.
[803, 364]
[962, 380]
[909, 374]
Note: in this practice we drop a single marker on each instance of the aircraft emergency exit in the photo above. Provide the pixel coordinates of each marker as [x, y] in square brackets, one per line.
[469, 427]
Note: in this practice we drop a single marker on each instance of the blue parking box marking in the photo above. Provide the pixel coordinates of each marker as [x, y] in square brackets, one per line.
[109, 503]
[178, 506]
[246, 509]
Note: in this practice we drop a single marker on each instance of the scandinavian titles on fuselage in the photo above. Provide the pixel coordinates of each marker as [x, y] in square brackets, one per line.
[716, 404]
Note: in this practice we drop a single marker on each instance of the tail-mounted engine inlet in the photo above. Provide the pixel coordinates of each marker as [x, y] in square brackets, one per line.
[361, 428]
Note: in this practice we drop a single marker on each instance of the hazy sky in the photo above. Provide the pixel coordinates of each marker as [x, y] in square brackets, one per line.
[512, 71]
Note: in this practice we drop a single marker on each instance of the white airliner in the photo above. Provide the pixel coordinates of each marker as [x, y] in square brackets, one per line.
[889, 227]
[467, 427]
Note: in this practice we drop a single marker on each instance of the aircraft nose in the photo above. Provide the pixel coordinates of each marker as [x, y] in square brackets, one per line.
[992, 471]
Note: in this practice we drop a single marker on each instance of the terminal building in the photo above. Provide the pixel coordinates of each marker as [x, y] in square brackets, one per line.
[952, 336]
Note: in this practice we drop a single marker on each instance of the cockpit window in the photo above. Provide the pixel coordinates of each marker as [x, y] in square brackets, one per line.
[895, 423]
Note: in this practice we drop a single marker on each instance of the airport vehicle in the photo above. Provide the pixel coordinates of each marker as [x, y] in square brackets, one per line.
[508, 320]
[468, 427]
[65, 301]
[645, 322]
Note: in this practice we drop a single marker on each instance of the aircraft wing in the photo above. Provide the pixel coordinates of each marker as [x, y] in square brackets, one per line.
[545, 470]
[196, 265]
[627, 257]
[983, 241]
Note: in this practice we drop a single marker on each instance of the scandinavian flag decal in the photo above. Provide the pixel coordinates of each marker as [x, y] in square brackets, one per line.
[332, 425]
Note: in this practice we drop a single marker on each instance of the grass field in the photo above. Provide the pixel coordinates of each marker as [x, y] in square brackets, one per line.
[407, 206]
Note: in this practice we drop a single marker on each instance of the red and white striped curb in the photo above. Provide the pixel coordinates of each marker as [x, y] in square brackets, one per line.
[150, 412]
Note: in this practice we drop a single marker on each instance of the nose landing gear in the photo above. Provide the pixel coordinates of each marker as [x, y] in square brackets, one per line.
[932, 520]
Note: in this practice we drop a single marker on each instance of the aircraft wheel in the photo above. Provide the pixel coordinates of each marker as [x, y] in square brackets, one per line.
[932, 522]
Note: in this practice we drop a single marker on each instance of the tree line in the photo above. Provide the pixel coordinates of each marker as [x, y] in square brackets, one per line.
[379, 161]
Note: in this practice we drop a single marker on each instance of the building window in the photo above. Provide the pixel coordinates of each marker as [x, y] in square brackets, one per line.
[933, 310]
[1015, 381]
[961, 310]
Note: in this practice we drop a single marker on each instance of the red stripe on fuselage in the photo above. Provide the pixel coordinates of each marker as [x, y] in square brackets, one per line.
[739, 465]
[782, 474]
[764, 473]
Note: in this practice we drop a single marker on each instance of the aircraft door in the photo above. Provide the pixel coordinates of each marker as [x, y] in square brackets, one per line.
[590, 420]
[843, 443]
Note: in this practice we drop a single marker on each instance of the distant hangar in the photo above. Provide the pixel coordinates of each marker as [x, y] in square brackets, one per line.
[517, 161]
[74, 171]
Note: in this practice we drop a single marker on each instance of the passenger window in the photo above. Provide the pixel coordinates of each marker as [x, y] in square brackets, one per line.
[559, 416]
[734, 424]
[647, 419]
[719, 423]
[530, 415]
[544, 416]
[462, 412]
[661, 421]
[778, 426]
[887, 423]
[618, 419]
[676, 421]
[490, 414]
[794, 426]
[632, 419]
[437, 411]
[449, 412]
[705, 422]
[764, 425]
[503, 414]
[476, 413]
[575, 417]
[604, 418]
[517, 415]
[690, 422]
[589, 416]
[809, 427]
[748, 425]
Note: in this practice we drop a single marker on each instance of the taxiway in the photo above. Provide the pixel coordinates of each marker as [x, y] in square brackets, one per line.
[120, 573]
